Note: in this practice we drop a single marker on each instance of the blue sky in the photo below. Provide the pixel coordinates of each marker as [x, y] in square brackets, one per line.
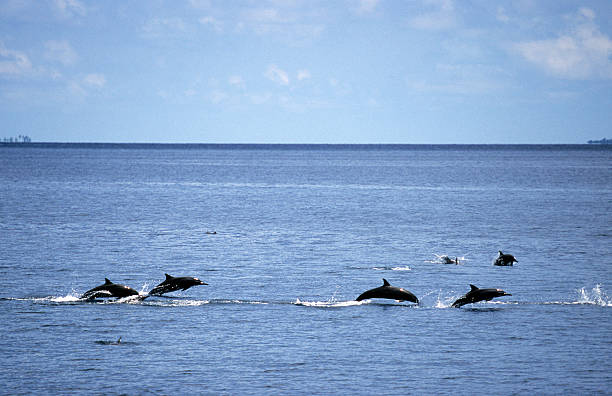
[306, 71]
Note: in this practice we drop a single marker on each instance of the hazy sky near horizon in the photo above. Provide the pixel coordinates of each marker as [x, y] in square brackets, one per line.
[306, 71]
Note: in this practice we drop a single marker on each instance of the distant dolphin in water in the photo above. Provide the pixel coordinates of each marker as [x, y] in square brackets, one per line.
[447, 260]
[109, 289]
[118, 342]
[476, 294]
[390, 292]
[175, 283]
[504, 259]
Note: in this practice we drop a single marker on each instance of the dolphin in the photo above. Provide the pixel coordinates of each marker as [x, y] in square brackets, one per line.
[476, 294]
[388, 291]
[118, 342]
[504, 259]
[109, 289]
[447, 260]
[175, 283]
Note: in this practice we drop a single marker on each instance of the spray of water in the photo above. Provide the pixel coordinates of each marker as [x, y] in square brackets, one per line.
[595, 296]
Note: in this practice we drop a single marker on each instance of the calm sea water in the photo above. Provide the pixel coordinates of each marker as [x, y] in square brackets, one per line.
[302, 231]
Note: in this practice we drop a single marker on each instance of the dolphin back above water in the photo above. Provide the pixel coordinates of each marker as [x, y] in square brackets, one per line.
[504, 259]
[476, 294]
[390, 292]
[172, 283]
[109, 289]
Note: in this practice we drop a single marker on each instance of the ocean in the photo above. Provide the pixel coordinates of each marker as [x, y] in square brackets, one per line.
[287, 236]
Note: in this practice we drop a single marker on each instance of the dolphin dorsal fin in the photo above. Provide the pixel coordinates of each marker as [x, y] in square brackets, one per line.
[386, 283]
[168, 277]
[473, 288]
[107, 282]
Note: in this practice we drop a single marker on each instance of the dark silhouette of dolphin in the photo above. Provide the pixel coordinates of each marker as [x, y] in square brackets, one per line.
[175, 283]
[388, 291]
[504, 259]
[109, 289]
[447, 260]
[476, 294]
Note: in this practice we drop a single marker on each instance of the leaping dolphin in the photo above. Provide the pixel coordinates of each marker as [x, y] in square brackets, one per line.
[175, 283]
[388, 291]
[504, 259]
[476, 294]
[109, 289]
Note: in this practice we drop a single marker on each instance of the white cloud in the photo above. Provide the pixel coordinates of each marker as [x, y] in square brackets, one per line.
[582, 53]
[95, 80]
[236, 81]
[303, 75]
[60, 51]
[287, 23]
[164, 27]
[501, 15]
[265, 18]
[82, 86]
[76, 89]
[366, 6]
[279, 76]
[260, 98]
[213, 23]
[217, 97]
[69, 8]
[587, 13]
[441, 17]
[200, 3]
[13, 62]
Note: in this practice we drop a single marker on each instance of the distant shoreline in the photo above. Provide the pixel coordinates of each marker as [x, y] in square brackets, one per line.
[601, 141]
[293, 146]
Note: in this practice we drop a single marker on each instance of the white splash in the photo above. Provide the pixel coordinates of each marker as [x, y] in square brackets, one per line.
[594, 297]
[64, 299]
[404, 268]
[177, 303]
[329, 304]
[446, 301]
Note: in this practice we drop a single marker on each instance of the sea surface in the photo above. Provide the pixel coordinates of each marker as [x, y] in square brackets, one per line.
[287, 236]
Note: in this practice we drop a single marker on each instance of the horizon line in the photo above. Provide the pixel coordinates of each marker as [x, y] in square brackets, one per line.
[32, 143]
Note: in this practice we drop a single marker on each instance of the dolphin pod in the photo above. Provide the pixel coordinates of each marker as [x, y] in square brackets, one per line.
[110, 289]
[386, 291]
